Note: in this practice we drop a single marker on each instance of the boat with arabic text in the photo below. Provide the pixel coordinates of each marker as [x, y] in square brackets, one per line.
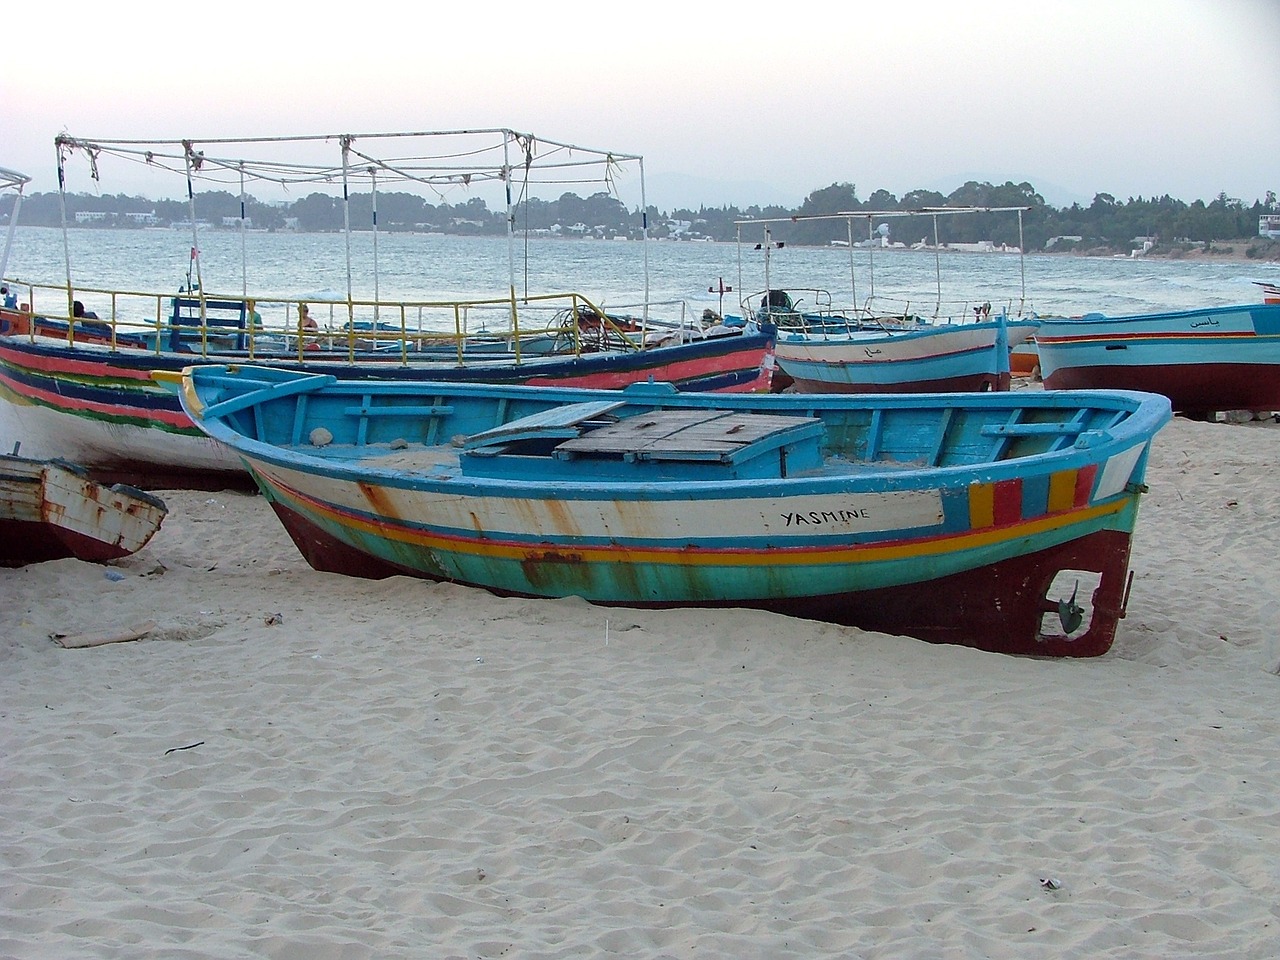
[1206, 360]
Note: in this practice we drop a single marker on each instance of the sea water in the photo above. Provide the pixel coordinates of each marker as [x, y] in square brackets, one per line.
[618, 273]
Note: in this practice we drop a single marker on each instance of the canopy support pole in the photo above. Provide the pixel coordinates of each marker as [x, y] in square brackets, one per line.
[66, 243]
[346, 231]
[507, 136]
[644, 239]
[1022, 266]
[853, 273]
[871, 263]
[244, 257]
[373, 182]
[13, 223]
[937, 269]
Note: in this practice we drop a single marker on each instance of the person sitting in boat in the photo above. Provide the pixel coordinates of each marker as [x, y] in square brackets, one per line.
[87, 321]
[308, 327]
[776, 300]
[10, 300]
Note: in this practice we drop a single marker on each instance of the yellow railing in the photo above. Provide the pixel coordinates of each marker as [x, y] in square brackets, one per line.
[210, 323]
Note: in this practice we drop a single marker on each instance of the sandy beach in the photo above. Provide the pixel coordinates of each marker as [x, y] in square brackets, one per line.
[291, 764]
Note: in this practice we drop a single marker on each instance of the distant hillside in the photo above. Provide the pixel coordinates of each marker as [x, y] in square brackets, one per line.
[1161, 225]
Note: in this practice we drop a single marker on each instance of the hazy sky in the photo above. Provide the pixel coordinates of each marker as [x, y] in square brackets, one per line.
[728, 102]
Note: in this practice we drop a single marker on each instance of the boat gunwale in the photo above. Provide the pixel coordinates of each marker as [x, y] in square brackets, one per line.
[1100, 319]
[795, 335]
[1146, 414]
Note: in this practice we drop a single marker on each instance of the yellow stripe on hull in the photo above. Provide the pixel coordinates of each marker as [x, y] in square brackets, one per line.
[777, 555]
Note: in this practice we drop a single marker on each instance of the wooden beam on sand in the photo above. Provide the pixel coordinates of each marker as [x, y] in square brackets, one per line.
[79, 640]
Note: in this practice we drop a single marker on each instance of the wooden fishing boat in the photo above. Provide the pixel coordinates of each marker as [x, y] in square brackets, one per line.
[52, 510]
[1000, 520]
[1218, 358]
[76, 376]
[94, 402]
[940, 357]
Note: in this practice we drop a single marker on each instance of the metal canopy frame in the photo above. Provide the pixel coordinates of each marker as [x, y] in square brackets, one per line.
[849, 216]
[469, 158]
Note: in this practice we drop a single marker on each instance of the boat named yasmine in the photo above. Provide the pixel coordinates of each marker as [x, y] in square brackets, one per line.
[998, 520]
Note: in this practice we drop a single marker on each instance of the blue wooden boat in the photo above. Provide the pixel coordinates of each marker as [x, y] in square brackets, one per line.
[1001, 521]
[1218, 358]
[924, 358]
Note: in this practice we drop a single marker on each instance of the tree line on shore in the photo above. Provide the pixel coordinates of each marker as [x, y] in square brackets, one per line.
[1105, 224]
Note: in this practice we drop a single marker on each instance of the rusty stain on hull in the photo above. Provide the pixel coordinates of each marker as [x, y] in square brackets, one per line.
[958, 606]
[51, 510]
[547, 568]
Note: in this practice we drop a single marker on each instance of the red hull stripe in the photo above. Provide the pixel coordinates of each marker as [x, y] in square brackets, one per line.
[72, 367]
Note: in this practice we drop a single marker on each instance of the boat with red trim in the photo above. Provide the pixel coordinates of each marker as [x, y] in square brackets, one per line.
[1206, 360]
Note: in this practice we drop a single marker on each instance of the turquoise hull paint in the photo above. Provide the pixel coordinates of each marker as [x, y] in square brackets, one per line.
[966, 364]
[555, 570]
[1166, 352]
